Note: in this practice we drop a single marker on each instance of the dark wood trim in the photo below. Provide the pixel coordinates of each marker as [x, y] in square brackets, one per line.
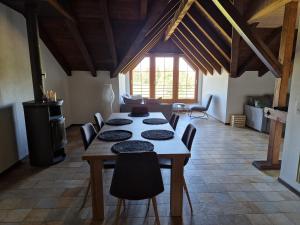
[255, 43]
[175, 76]
[31, 15]
[152, 75]
[288, 186]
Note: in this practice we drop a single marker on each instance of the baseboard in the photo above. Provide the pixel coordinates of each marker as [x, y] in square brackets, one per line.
[288, 186]
[13, 166]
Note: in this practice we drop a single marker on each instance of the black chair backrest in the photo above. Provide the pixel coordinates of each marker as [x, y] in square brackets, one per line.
[174, 120]
[88, 133]
[136, 176]
[188, 138]
[99, 121]
[208, 102]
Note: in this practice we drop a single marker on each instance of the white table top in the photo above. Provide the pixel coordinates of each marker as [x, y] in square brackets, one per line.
[172, 148]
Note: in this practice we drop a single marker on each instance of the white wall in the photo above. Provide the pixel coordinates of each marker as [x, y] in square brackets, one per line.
[291, 147]
[217, 85]
[249, 84]
[15, 86]
[85, 91]
[56, 79]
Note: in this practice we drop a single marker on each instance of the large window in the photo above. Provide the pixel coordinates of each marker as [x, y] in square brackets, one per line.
[169, 77]
[140, 78]
[187, 80]
[164, 77]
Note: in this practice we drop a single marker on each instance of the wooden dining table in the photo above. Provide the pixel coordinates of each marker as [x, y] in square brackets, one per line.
[173, 149]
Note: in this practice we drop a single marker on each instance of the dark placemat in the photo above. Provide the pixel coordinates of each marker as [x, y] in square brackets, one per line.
[132, 146]
[158, 134]
[138, 115]
[118, 122]
[115, 135]
[155, 121]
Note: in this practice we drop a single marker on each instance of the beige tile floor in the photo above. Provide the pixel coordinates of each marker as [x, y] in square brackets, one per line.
[225, 188]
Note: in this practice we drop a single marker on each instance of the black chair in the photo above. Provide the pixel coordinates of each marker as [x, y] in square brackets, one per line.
[136, 176]
[200, 108]
[88, 134]
[99, 121]
[174, 120]
[187, 139]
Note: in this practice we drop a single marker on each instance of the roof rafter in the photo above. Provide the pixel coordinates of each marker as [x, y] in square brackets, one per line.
[73, 28]
[206, 43]
[255, 43]
[236, 41]
[54, 50]
[264, 8]
[215, 19]
[203, 25]
[188, 54]
[181, 12]
[157, 10]
[270, 39]
[109, 32]
[194, 51]
[188, 34]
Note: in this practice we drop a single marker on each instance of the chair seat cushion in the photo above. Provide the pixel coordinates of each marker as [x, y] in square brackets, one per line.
[197, 108]
[109, 164]
[165, 163]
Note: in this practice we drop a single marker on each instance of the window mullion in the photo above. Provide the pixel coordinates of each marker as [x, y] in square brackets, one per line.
[175, 77]
[152, 76]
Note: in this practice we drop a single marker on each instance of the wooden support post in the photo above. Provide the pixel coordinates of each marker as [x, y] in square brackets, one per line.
[281, 86]
[34, 50]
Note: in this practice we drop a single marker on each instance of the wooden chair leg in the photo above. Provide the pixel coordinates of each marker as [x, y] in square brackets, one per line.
[155, 211]
[187, 195]
[85, 195]
[118, 210]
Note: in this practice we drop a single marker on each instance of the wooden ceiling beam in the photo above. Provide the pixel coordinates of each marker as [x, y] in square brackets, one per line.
[74, 30]
[54, 50]
[181, 12]
[188, 54]
[215, 18]
[209, 31]
[265, 8]
[270, 39]
[190, 37]
[109, 32]
[255, 43]
[143, 8]
[206, 43]
[194, 51]
[236, 41]
[157, 10]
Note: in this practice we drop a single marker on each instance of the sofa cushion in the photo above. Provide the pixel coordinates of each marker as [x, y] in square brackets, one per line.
[132, 101]
[151, 101]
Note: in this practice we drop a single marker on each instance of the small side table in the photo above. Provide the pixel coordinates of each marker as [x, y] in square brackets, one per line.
[180, 108]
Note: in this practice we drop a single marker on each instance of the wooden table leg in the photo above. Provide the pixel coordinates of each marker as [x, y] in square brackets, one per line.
[176, 198]
[97, 189]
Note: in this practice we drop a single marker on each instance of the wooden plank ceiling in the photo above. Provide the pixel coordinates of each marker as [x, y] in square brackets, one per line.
[114, 35]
